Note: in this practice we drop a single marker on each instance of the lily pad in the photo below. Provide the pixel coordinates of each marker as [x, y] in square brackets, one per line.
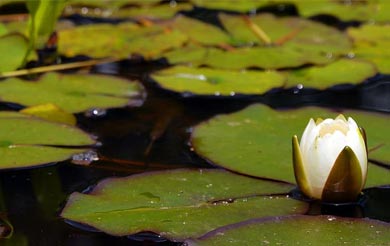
[208, 81]
[351, 71]
[371, 10]
[27, 141]
[257, 140]
[73, 93]
[186, 203]
[290, 32]
[371, 42]
[121, 41]
[232, 5]
[13, 47]
[273, 57]
[300, 229]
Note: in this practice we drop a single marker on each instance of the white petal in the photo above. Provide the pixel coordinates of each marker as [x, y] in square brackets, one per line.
[320, 159]
[308, 136]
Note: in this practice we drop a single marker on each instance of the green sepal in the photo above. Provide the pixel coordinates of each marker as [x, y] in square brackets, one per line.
[299, 170]
[345, 180]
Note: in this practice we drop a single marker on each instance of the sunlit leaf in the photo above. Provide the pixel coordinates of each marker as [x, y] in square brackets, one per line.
[232, 5]
[73, 93]
[343, 71]
[374, 10]
[27, 141]
[290, 32]
[371, 42]
[12, 49]
[206, 81]
[122, 40]
[262, 57]
[186, 203]
[300, 229]
[50, 112]
[257, 140]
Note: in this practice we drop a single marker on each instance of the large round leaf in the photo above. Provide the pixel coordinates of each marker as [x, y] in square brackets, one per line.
[73, 93]
[371, 42]
[267, 57]
[208, 81]
[28, 141]
[343, 71]
[185, 203]
[13, 47]
[291, 32]
[299, 230]
[257, 140]
[122, 40]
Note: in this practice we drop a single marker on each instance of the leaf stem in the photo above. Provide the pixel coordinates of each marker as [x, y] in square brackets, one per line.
[257, 30]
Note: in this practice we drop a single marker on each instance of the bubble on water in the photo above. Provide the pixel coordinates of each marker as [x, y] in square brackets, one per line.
[84, 10]
[351, 55]
[172, 3]
[232, 93]
[85, 158]
[217, 93]
[96, 112]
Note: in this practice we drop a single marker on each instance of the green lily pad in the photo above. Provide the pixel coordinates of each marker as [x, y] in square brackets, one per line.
[13, 47]
[257, 140]
[232, 5]
[291, 32]
[186, 203]
[122, 40]
[273, 57]
[200, 31]
[343, 71]
[374, 10]
[73, 93]
[300, 230]
[371, 42]
[208, 81]
[27, 141]
[162, 11]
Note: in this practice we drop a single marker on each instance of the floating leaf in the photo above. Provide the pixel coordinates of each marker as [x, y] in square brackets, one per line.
[29, 141]
[273, 57]
[200, 31]
[73, 93]
[376, 10]
[122, 40]
[257, 140]
[343, 71]
[290, 32]
[300, 229]
[51, 112]
[371, 42]
[12, 49]
[232, 5]
[186, 203]
[208, 81]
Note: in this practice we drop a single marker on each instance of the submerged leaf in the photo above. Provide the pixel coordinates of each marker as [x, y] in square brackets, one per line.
[27, 141]
[186, 203]
[206, 81]
[256, 141]
[300, 229]
[73, 93]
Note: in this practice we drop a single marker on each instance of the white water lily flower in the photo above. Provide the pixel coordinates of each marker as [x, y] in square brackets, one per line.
[330, 163]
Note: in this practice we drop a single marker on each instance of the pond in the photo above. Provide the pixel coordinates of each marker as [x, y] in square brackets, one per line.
[163, 120]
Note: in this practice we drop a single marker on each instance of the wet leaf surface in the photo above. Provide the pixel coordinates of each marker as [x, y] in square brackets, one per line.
[73, 93]
[27, 141]
[206, 81]
[13, 48]
[120, 40]
[257, 140]
[371, 42]
[351, 71]
[300, 229]
[185, 203]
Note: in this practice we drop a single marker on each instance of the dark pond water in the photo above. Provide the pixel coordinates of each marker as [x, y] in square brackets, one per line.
[154, 137]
